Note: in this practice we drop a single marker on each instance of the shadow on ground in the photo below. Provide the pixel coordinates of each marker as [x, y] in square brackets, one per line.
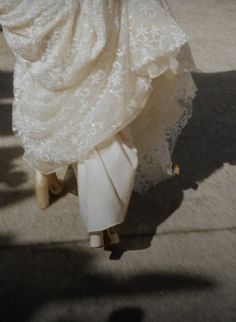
[6, 84]
[11, 178]
[32, 278]
[128, 314]
[5, 119]
[207, 142]
[6, 92]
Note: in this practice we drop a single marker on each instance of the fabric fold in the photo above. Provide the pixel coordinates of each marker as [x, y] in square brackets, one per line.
[105, 183]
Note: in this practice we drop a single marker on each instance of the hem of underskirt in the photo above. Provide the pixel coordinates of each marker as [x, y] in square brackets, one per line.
[105, 227]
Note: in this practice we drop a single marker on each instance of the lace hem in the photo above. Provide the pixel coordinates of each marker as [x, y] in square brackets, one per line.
[155, 165]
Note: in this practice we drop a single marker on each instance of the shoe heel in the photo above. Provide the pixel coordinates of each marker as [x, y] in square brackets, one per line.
[176, 169]
[55, 185]
[96, 239]
[42, 190]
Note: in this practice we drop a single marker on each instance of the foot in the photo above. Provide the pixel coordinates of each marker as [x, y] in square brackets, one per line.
[56, 186]
[176, 169]
[96, 239]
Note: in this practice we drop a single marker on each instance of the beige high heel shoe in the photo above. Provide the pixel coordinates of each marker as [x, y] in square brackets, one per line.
[176, 169]
[96, 239]
[45, 184]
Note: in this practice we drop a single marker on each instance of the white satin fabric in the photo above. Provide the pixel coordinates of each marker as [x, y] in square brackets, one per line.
[105, 182]
[85, 71]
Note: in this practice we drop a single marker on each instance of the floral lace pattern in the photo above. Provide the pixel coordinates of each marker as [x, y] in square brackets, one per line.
[84, 71]
[155, 163]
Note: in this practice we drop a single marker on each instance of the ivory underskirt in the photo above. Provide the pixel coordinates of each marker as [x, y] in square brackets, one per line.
[105, 182]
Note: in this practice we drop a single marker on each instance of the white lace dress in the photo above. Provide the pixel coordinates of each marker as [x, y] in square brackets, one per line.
[102, 84]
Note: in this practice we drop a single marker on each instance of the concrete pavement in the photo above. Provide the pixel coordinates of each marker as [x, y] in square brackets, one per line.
[176, 260]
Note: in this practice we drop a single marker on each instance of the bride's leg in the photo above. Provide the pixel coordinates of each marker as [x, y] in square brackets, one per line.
[41, 190]
[45, 184]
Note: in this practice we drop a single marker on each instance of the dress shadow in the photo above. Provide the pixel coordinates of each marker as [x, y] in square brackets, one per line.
[35, 276]
[206, 143]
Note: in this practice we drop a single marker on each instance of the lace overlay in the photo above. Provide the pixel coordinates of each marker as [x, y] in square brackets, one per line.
[87, 69]
[156, 146]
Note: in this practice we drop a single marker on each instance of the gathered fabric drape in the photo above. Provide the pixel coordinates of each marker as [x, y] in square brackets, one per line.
[86, 71]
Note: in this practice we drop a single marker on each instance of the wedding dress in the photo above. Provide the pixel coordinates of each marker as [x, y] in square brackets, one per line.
[104, 85]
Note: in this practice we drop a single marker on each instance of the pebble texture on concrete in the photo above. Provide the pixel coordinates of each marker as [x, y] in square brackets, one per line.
[177, 259]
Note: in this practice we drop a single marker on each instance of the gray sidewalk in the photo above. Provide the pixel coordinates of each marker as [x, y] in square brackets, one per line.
[176, 260]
